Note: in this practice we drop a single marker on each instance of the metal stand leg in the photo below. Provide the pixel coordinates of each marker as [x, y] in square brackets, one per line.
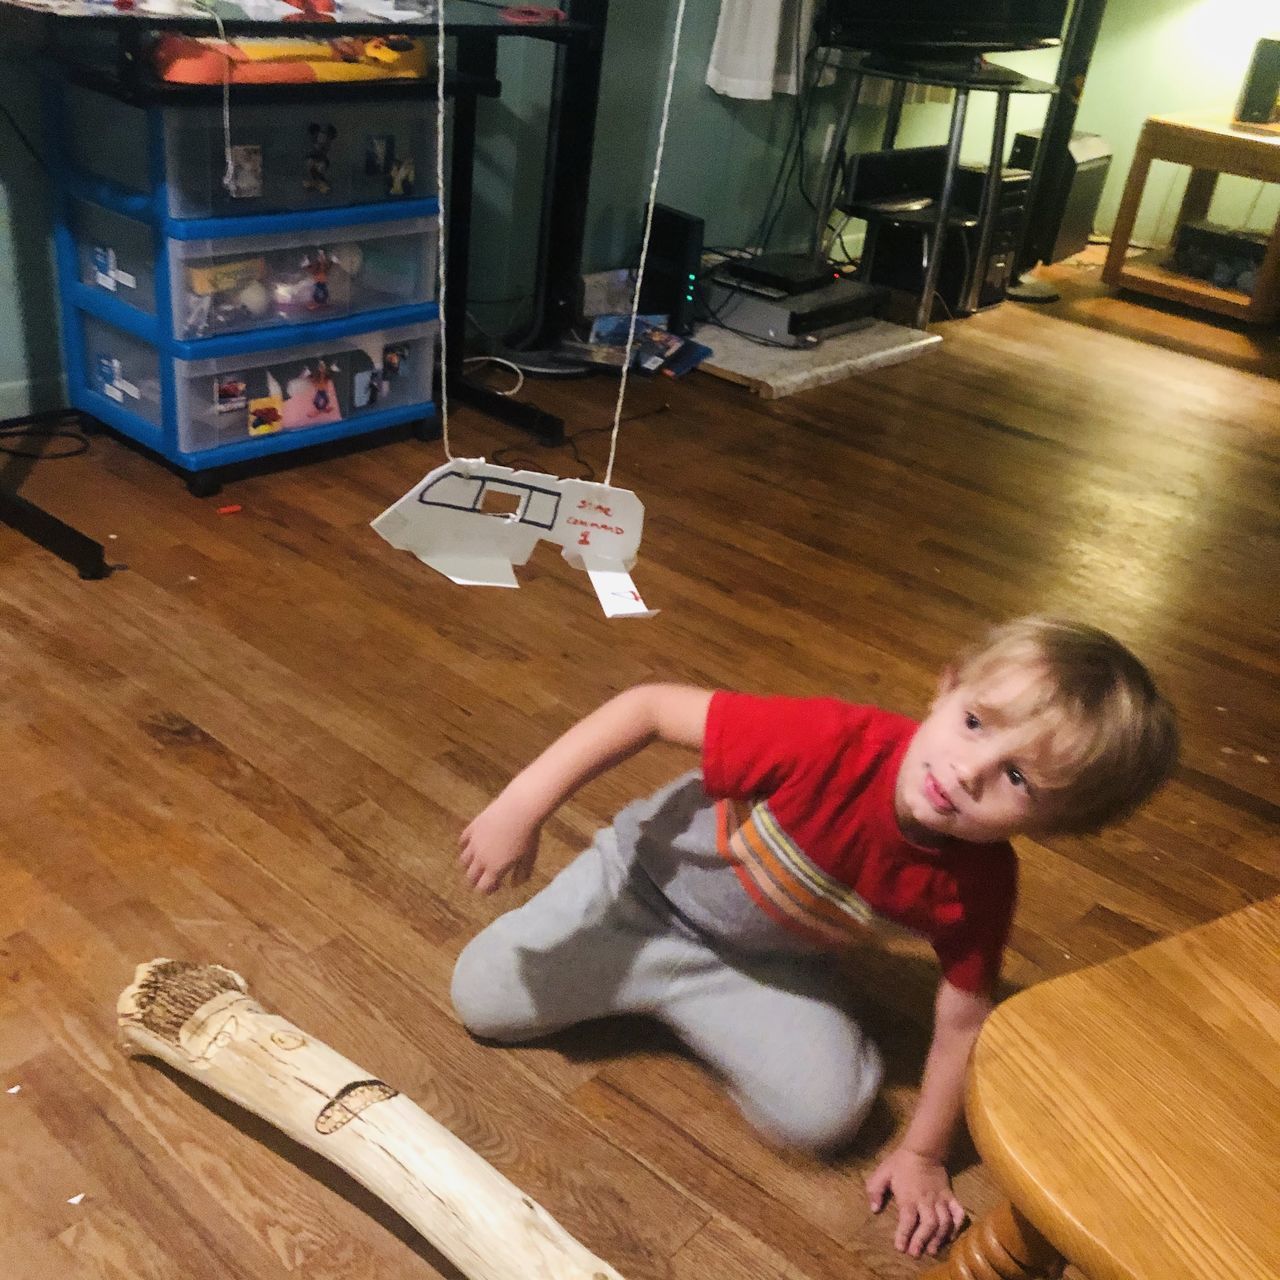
[925, 308]
[990, 204]
[831, 177]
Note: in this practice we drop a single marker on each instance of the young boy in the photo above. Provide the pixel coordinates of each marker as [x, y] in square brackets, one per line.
[714, 905]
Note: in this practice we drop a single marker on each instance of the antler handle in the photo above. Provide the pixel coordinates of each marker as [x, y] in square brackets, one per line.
[202, 1022]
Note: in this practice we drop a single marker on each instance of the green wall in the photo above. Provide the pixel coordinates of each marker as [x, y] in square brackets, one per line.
[722, 155]
[30, 365]
[1174, 57]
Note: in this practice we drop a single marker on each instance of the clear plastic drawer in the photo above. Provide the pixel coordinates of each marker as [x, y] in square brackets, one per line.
[284, 156]
[300, 388]
[253, 282]
[122, 368]
[115, 253]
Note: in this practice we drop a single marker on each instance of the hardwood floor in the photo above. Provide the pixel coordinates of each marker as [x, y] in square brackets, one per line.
[257, 745]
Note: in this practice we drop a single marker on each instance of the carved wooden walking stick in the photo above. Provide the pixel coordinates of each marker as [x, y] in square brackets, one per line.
[202, 1022]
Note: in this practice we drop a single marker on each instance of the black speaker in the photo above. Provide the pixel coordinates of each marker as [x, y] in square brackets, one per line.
[1260, 100]
[1084, 174]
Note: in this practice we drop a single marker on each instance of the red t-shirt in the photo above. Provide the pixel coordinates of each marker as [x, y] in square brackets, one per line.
[820, 849]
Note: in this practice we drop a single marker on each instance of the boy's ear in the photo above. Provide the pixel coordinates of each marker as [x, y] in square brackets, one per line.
[947, 681]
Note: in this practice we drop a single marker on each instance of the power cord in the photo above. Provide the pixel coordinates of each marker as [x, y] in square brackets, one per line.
[80, 442]
[506, 364]
[513, 455]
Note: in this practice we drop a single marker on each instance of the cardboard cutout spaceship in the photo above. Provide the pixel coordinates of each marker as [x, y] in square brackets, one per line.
[474, 521]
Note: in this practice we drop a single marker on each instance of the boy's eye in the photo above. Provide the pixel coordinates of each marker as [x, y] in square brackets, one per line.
[1016, 776]
[971, 721]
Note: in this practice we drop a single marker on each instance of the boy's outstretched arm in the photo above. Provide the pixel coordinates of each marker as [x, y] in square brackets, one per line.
[504, 838]
[915, 1174]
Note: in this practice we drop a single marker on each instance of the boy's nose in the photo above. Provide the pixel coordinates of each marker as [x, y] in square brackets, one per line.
[974, 771]
[969, 779]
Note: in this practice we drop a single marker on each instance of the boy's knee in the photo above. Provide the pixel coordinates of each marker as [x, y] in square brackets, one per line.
[481, 994]
[827, 1114]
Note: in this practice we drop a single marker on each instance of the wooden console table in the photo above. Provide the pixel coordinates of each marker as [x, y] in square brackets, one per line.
[1211, 149]
[1131, 1112]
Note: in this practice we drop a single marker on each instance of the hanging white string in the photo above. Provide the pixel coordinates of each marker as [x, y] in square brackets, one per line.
[440, 261]
[229, 169]
[644, 246]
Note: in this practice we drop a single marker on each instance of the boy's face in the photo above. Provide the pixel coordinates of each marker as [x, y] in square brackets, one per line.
[969, 772]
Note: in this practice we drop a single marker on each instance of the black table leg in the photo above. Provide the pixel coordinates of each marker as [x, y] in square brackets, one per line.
[77, 549]
[477, 60]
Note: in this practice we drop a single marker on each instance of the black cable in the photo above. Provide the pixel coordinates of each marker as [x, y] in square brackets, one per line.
[81, 444]
[760, 241]
[796, 147]
[805, 89]
[22, 137]
[781, 183]
[512, 455]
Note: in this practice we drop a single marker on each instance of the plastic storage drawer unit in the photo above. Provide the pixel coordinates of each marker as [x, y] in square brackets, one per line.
[252, 282]
[284, 156]
[236, 398]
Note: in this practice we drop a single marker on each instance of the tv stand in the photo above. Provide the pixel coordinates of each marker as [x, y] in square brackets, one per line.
[975, 72]
[964, 78]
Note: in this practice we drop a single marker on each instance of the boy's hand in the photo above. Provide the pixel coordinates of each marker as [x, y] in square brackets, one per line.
[928, 1212]
[500, 841]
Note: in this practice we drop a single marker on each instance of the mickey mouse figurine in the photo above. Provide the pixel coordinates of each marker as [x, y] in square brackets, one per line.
[320, 139]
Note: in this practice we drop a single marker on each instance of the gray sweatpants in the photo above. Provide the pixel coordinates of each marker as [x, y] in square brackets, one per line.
[603, 939]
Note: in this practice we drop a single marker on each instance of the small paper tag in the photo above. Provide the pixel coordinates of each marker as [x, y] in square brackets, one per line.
[617, 594]
[126, 278]
[114, 392]
[128, 388]
[244, 178]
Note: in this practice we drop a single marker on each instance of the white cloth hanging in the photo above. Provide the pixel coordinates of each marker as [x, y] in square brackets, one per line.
[754, 54]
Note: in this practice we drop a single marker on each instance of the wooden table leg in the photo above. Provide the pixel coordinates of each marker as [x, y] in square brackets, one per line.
[1002, 1246]
[1265, 305]
[1127, 214]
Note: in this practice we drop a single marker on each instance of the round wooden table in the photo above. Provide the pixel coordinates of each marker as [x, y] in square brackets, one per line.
[1131, 1113]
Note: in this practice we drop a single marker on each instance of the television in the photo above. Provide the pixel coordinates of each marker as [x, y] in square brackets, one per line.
[940, 30]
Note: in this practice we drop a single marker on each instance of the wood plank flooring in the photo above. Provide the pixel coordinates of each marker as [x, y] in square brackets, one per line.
[257, 746]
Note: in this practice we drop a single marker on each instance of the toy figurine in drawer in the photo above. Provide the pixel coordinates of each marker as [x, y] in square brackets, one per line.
[307, 391]
[285, 397]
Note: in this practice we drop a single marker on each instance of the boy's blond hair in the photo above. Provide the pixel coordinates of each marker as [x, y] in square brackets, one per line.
[1111, 736]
